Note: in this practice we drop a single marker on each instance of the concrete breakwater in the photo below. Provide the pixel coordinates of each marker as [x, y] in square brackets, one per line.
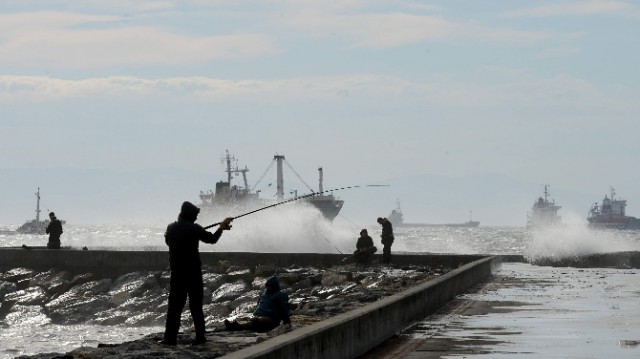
[321, 293]
[111, 264]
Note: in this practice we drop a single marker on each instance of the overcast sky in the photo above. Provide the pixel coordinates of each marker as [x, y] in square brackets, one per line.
[542, 91]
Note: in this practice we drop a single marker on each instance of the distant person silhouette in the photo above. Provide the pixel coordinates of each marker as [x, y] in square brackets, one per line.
[364, 248]
[387, 239]
[183, 238]
[54, 230]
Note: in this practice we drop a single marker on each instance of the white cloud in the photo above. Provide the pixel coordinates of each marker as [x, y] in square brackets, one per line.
[67, 40]
[560, 91]
[119, 5]
[559, 52]
[386, 30]
[593, 7]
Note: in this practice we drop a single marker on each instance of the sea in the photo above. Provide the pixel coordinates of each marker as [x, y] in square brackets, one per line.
[296, 231]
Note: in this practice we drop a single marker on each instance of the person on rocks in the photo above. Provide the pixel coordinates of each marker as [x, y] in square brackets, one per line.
[273, 307]
[364, 248]
[183, 238]
[54, 230]
[387, 239]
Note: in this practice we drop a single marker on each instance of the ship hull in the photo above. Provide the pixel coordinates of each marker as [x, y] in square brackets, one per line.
[470, 224]
[614, 222]
[329, 207]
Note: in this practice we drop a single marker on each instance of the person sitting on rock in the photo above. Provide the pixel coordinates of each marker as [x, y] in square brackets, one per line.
[364, 248]
[273, 307]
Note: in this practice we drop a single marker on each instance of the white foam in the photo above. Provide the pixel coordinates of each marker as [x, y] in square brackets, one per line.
[575, 238]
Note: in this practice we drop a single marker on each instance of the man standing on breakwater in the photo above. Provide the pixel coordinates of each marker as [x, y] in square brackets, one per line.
[183, 238]
[54, 230]
[387, 239]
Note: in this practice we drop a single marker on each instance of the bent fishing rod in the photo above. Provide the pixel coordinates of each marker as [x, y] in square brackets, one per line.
[295, 199]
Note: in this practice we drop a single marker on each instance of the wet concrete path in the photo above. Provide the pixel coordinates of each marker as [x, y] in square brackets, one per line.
[528, 311]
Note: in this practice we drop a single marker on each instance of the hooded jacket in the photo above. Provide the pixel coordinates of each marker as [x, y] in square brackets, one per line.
[183, 238]
[273, 303]
[387, 232]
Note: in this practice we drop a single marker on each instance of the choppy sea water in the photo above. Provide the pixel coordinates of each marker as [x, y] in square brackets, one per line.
[277, 233]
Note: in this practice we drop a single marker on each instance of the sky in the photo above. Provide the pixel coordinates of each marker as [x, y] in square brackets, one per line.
[539, 91]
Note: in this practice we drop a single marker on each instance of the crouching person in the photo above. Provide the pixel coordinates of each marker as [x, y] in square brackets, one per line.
[364, 248]
[273, 308]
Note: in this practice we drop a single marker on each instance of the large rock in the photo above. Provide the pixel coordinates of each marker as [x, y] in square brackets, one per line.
[16, 275]
[5, 288]
[52, 280]
[132, 285]
[229, 291]
[26, 315]
[29, 296]
[333, 278]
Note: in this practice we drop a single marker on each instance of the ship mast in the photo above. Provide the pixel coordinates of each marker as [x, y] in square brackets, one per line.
[244, 176]
[279, 177]
[320, 190]
[38, 206]
[228, 158]
[546, 193]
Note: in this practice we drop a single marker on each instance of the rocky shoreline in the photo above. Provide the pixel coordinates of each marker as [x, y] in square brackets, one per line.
[140, 299]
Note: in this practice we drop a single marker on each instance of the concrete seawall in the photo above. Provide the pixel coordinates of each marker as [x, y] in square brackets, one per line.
[104, 263]
[354, 333]
[346, 335]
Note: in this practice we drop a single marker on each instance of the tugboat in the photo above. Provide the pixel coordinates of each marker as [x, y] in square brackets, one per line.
[469, 224]
[227, 194]
[611, 214]
[544, 212]
[396, 217]
[34, 226]
[397, 220]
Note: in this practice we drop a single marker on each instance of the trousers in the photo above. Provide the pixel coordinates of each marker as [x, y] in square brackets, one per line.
[184, 284]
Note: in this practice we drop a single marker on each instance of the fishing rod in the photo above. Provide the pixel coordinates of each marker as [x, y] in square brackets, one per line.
[295, 199]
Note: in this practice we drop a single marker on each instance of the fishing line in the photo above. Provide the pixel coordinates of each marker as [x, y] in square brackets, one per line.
[327, 239]
[293, 200]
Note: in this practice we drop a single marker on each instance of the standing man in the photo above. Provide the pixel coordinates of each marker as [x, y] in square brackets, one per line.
[387, 239]
[54, 230]
[183, 238]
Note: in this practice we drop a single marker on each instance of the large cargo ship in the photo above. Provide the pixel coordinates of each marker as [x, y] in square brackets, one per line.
[229, 195]
[396, 217]
[544, 212]
[611, 214]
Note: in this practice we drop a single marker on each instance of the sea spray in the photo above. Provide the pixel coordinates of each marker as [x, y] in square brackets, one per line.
[295, 228]
[573, 240]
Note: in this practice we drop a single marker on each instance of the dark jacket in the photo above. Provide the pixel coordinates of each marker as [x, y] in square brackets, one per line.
[387, 232]
[364, 242]
[273, 303]
[54, 229]
[183, 238]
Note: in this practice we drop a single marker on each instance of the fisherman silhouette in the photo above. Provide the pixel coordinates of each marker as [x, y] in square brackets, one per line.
[183, 238]
[54, 230]
[387, 239]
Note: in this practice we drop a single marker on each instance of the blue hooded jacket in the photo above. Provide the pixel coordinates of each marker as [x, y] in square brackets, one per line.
[273, 303]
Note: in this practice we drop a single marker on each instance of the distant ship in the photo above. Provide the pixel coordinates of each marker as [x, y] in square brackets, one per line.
[396, 218]
[611, 214]
[544, 212]
[227, 194]
[35, 226]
